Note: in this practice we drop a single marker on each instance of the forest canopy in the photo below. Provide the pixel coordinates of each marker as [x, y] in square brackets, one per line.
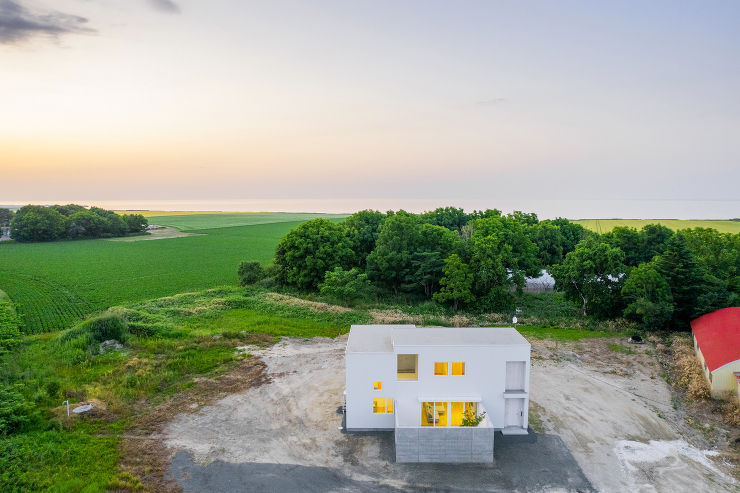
[41, 223]
[481, 260]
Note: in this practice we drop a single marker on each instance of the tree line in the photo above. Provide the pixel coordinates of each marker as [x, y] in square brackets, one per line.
[480, 260]
[42, 223]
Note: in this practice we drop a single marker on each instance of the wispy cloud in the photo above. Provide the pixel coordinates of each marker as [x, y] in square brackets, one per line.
[165, 6]
[18, 24]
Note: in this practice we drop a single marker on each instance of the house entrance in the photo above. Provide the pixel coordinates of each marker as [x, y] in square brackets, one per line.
[514, 413]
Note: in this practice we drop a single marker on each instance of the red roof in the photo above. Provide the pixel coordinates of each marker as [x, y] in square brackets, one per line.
[718, 336]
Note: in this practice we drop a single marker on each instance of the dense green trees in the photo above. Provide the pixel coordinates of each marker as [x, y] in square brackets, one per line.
[250, 273]
[480, 260]
[38, 223]
[305, 254]
[5, 216]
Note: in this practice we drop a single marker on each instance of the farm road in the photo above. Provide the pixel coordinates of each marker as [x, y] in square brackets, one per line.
[283, 436]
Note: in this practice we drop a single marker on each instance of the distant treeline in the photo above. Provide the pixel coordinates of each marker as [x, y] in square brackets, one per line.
[480, 260]
[41, 223]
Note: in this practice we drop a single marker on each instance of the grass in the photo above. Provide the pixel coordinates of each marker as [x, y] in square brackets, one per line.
[212, 221]
[618, 348]
[172, 345]
[558, 334]
[606, 225]
[56, 284]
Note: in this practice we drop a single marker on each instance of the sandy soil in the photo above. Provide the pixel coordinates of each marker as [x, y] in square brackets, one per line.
[615, 414]
[612, 411]
[157, 234]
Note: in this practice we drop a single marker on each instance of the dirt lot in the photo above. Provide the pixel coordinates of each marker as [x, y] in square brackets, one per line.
[605, 418]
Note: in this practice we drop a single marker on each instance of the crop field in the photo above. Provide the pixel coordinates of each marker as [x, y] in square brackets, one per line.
[225, 220]
[56, 284]
[606, 225]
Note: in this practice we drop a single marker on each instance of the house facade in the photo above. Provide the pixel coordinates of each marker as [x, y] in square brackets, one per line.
[422, 383]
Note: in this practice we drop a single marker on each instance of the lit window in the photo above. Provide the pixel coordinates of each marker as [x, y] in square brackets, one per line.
[379, 405]
[433, 414]
[377, 385]
[458, 368]
[440, 368]
[408, 365]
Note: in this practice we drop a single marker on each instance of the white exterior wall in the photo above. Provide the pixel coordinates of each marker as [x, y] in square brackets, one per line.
[485, 376]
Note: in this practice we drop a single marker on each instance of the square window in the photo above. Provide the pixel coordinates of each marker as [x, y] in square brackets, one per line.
[377, 385]
[458, 368]
[440, 368]
[408, 365]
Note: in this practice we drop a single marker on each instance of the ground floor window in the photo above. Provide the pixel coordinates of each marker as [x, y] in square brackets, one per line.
[458, 411]
[382, 405]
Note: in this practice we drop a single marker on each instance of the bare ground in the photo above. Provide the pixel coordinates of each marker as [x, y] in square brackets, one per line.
[606, 422]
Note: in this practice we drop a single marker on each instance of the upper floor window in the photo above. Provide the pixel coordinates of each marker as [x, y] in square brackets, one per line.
[377, 385]
[458, 368]
[408, 367]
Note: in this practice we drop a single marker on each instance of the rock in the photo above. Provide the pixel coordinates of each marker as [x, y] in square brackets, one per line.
[110, 346]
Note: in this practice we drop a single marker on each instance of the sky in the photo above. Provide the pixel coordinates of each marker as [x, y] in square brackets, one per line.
[344, 99]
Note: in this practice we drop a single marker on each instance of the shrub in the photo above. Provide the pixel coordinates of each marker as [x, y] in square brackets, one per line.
[250, 273]
[10, 334]
[15, 410]
[86, 337]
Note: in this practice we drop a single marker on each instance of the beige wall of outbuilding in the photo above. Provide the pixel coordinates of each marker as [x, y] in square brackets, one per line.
[722, 380]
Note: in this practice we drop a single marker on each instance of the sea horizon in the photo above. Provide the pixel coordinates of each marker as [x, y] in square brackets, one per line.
[545, 209]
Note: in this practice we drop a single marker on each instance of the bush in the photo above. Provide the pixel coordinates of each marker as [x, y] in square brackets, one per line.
[15, 410]
[10, 334]
[86, 337]
[250, 273]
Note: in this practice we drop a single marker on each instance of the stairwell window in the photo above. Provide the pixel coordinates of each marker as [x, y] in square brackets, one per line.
[458, 368]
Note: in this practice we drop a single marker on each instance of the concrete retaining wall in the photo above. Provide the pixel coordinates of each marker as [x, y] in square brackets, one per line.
[464, 444]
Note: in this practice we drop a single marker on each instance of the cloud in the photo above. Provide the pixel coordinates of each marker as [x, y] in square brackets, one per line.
[165, 6]
[18, 24]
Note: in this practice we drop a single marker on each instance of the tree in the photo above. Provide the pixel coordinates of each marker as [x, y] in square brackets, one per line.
[307, 252]
[650, 297]
[628, 240]
[250, 273]
[653, 241]
[5, 216]
[345, 285]
[86, 224]
[136, 223]
[528, 219]
[363, 229]
[457, 283]
[69, 209]
[390, 262]
[427, 270]
[37, 223]
[447, 217]
[592, 276]
[549, 241]
[685, 277]
[572, 233]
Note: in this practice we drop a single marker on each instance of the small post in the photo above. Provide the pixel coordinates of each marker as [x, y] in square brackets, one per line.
[514, 320]
[67, 403]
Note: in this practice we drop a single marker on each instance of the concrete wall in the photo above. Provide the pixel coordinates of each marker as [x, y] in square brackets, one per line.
[462, 444]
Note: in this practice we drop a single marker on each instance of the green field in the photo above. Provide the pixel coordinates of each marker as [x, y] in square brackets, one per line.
[226, 220]
[606, 225]
[57, 283]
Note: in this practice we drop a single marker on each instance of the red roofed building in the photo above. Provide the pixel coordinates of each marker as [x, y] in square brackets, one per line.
[717, 345]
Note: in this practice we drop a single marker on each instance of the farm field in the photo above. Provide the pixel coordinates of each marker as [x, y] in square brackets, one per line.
[58, 283]
[189, 222]
[606, 225]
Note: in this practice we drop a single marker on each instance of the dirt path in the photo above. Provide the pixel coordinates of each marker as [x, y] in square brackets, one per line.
[600, 434]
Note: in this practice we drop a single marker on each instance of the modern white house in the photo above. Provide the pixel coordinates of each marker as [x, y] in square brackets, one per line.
[423, 382]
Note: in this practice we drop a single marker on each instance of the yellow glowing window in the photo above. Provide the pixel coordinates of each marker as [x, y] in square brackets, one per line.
[390, 406]
[377, 385]
[458, 368]
[379, 405]
[440, 368]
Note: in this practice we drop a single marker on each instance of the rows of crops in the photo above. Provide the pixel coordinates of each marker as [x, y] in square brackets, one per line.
[57, 283]
[227, 220]
[606, 225]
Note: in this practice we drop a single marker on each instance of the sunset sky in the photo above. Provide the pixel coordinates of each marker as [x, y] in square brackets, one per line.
[239, 99]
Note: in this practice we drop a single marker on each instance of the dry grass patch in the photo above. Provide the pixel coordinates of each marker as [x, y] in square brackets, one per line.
[311, 305]
[689, 371]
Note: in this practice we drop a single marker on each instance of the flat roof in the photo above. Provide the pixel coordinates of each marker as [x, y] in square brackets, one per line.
[458, 336]
[382, 338]
[371, 338]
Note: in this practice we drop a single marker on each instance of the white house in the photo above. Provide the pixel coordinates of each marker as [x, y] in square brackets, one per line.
[422, 382]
